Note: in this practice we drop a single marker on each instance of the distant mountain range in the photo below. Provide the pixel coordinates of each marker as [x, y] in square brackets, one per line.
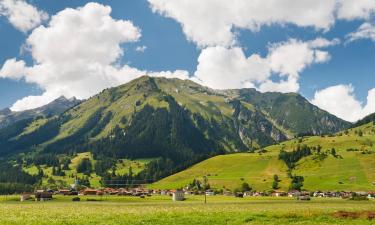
[177, 122]
[58, 106]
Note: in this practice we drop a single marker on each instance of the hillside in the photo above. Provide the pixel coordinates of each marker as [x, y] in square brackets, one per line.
[176, 122]
[351, 166]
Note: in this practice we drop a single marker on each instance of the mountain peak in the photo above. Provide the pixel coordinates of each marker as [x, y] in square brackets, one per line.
[5, 111]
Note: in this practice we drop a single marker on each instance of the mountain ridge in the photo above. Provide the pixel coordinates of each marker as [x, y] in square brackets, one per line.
[57, 106]
[176, 122]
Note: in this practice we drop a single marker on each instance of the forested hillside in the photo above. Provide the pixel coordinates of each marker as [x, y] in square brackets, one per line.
[175, 122]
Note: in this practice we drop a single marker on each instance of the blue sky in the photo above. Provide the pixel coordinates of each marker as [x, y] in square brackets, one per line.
[168, 47]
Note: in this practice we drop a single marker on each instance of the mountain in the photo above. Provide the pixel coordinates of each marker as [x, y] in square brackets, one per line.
[343, 161]
[366, 119]
[56, 107]
[174, 122]
[292, 112]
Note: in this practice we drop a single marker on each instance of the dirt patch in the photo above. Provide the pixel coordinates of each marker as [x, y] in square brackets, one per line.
[370, 215]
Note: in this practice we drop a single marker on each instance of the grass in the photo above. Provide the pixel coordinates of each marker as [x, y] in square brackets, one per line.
[350, 170]
[230, 171]
[161, 210]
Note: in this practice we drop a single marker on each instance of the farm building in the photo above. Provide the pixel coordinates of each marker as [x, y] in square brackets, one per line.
[178, 195]
[89, 191]
[279, 194]
[42, 195]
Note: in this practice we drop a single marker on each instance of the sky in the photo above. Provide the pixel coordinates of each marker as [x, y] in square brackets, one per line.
[322, 49]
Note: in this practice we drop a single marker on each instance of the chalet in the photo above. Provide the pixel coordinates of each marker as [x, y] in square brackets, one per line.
[63, 192]
[279, 194]
[178, 195]
[248, 194]
[294, 193]
[238, 194]
[89, 191]
[42, 195]
[156, 192]
[258, 194]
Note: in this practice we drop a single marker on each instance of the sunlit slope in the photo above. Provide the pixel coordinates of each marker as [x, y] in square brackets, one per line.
[230, 171]
[353, 167]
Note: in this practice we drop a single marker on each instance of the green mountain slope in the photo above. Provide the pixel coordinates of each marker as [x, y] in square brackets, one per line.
[177, 122]
[350, 166]
[292, 112]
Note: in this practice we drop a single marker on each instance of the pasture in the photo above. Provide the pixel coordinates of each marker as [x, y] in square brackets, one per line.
[161, 210]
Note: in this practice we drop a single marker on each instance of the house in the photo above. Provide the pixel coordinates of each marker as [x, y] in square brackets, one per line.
[238, 195]
[247, 193]
[42, 195]
[294, 193]
[63, 192]
[279, 194]
[89, 191]
[210, 193]
[178, 195]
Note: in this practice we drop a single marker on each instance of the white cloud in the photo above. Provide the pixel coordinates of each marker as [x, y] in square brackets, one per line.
[13, 69]
[341, 101]
[22, 15]
[211, 22]
[221, 67]
[77, 55]
[355, 9]
[141, 48]
[365, 31]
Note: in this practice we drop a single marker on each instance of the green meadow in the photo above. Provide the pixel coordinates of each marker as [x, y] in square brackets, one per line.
[161, 210]
[351, 169]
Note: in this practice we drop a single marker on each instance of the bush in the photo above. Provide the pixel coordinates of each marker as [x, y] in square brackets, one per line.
[76, 199]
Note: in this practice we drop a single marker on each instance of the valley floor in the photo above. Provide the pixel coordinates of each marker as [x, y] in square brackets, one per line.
[161, 210]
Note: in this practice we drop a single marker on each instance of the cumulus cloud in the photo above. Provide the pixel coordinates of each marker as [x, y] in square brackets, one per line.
[355, 9]
[13, 69]
[341, 101]
[22, 15]
[365, 31]
[222, 67]
[211, 22]
[77, 54]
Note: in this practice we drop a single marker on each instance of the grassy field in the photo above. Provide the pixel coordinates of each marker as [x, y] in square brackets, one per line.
[352, 169]
[230, 171]
[161, 210]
